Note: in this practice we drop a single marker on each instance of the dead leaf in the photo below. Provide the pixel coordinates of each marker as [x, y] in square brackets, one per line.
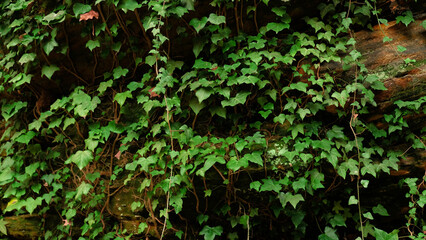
[66, 223]
[152, 93]
[89, 15]
[118, 155]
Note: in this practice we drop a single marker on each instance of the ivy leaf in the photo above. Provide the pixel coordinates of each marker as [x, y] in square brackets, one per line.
[303, 112]
[387, 39]
[424, 24]
[296, 130]
[198, 24]
[203, 93]
[31, 204]
[89, 15]
[277, 27]
[254, 157]
[401, 48]
[80, 158]
[220, 111]
[67, 122]
[196, 106]
[301, 86]
[270, 185]
[129, 5]
[80, 8]
[211, 232]
[83, 189]
[299, 184]
[379, 209]
[121, 97]
[297, 218]
[3, 228]
[60, 16]
[240, 98]
[316, 179]
[198, 46]
[292, 199]
[346, 22]
[92, 44]
[338, 220]
[234, 164]
[26, 137]
[119, 72]
[406, 19]
[329, 234]
[48, 71]
[103, 86]
[216, 20]
[352, 200]
[382, 235]
[27, 57]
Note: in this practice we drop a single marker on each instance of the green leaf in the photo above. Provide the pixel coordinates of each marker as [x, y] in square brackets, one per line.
[59, 16]
[424, 24]
[104, 85]
[198, 46]
[80, 158]
[290, 198]
[203, 93]
[346, 22]
[401, 48]
[387, 39]
[26, 137]
[196, 106]
[83, 189]
[296, 129]
[211, 232]
[31, 204]
[48, 71]
[270, 185]
[297, 218]
[8, 110]
[299, 184]
[277, 27]
[216, 20]
[254, 157]
[255, 185]
[121, 97]
[368, 215]
[316, 179]
[301, 86]
[303, 112]
[235, 164]
[240, 98]
[119, 72]
[27, 57]
[129, 5]
[198, 24]
[3, 228]
[379, 209]
[329, 234]
[338, 220]
[382, 235]
[80, 8]
[92, 44]
[352, 200]
[407, 18]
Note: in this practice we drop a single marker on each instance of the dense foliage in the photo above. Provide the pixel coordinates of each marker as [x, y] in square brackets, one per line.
[221, 122]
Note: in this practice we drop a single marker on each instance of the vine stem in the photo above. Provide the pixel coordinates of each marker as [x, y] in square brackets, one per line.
[171, 170]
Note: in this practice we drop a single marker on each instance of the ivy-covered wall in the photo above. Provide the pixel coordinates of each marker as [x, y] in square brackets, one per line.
[222, 119]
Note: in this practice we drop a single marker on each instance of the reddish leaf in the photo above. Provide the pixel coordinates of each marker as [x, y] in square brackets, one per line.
[118, 155]
[89, 15]
[66, 222]
[152, 93]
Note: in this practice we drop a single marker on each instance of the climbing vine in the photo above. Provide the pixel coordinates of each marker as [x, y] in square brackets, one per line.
[221, 119]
